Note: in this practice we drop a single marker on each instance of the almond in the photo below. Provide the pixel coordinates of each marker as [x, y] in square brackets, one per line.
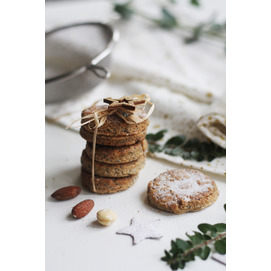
[83, 208]
[68, 192]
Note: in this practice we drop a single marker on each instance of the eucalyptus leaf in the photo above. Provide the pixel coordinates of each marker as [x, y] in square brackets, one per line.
[204, 148]
[183, 245]
[200, 157]
[189, 257]
[220, 246]
[191, 149]
[196, 239]
[192, 143]
[174, 248]
[176, 141]
[195, 154]
[174, 152]
[155, 137]
[168, 20]
[183, 251]
[186, 155]
[206, 237]
[204, 253]
[166, 257]
[194, 2]
[210, 158]
[154, 148]
[124, 10]
[174, 265]
[207, 228]
[181, 264]
[220, 227]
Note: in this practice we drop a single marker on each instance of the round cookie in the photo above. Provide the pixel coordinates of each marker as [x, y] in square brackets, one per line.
[112, 170]
[114, 125]
[105, 185]
[117, 155]
[113, 140]
[182, 190]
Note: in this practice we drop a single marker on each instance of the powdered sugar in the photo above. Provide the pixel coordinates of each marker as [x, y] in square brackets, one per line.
[140, 231]
[181, 184]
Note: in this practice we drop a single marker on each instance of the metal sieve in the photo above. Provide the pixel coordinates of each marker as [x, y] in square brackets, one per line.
[77, 58]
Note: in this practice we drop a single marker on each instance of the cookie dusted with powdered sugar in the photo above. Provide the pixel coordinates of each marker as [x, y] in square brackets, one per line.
[182, 190]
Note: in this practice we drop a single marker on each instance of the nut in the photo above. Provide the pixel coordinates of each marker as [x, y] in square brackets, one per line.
[83, 208]
[106, 217]
[68, 192]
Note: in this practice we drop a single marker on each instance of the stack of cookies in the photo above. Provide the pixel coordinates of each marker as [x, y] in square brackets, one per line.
[120, 150]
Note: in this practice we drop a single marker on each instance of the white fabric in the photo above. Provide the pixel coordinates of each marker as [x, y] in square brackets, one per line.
[184, 81]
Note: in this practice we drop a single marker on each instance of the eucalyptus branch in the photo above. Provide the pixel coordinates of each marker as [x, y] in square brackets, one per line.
[188, 149]
[169, 21]
[220, 236]
[198, 245]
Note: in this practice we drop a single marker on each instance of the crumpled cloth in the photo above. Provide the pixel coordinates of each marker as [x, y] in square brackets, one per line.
[184, 81]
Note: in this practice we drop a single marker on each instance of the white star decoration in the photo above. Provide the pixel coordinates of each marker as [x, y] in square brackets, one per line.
[141, 231]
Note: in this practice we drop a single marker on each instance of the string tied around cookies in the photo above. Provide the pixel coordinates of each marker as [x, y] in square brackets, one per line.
[128, 108]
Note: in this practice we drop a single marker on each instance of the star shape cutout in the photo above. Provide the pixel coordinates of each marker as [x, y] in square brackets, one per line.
[140, 231]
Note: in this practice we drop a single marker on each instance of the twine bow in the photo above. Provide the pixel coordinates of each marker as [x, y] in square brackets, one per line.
[129, 108]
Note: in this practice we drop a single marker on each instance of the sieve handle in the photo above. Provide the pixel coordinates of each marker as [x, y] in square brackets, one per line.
[99, 71]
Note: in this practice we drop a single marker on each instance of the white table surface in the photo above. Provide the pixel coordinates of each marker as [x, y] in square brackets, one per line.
[85, 245]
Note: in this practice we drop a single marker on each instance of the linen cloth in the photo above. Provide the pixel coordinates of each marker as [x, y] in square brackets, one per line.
[184, 81]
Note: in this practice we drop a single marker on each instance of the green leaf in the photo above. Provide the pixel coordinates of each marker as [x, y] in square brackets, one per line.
[204, 253]
[191, 149]
[181, 264]
[174, 152]
[167, 256]
[189, 257]
[154, 147]
[174, 265]
[155, 137]
[220, 246]
[200, 158]
[219, 152]
[183, 251]
[168, 20]
[194, 2]
[204, 148]
[186, 155]
[210, 158]
[192, 143]
[206, 237]
[196, 239]
[207, 228]
[220, 227]
[176, 141]
[195, 154]
[124, 10]
[183, 245]
[174, 248]
[196, 34]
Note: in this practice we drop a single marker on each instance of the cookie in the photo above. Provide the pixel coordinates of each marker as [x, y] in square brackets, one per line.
[112, 170]
[113, 140]
[182, 190]
[114, 125]
[117, 155]
[105, 185]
